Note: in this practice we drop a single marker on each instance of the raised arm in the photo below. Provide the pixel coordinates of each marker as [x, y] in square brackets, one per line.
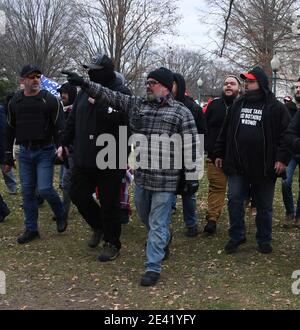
[116, 100]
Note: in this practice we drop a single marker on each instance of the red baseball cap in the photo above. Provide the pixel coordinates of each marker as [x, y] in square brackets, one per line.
[248, 75]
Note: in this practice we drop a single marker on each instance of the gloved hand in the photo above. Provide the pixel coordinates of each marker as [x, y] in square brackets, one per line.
[74, 79]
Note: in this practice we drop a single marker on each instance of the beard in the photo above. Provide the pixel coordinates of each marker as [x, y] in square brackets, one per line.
[297, 98]
[230, 98]
[151, 97]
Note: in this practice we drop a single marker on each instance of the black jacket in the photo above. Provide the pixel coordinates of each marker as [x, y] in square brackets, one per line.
[215, 115]
[87, 121]
[195, 109]
[275, 120]
[292, 136]
[292, 108]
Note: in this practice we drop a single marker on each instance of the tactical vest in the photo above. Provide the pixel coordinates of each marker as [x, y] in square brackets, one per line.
[33, 117]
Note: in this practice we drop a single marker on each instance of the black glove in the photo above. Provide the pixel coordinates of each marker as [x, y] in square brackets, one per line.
[9, 159]
[74, 79]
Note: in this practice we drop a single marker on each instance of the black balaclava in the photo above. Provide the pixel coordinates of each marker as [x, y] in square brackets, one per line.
[105, 76]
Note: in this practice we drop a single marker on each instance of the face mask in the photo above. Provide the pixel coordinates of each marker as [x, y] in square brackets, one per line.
[103, 76]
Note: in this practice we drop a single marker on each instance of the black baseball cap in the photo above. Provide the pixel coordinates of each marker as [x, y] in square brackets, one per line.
[28, 69]
[99, 61]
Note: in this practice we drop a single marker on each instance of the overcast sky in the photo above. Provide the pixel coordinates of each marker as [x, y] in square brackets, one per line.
[192, 33]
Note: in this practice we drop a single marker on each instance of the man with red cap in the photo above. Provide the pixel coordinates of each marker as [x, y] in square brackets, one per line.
[252, 152]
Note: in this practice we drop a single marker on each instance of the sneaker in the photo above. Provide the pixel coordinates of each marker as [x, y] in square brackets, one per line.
[297, 223]
[4, 215]
[95, 239]
[210, 228]
[109, 253]
[264, 248]
[288, 221]
[232, 246]
[150, 278]
[167, 248]
[192, 231]
[62, 223]
[28, 236]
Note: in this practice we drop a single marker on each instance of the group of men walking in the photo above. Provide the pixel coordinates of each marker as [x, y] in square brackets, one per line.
[247, 140]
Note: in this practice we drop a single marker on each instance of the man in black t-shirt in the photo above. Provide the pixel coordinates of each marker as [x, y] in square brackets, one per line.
[252, 152]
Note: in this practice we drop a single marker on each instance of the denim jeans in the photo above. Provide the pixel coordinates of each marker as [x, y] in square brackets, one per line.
[10, 180]
[154, 209]
[36, 168]
[287, 193]
[66, 185]
[189, 204]
[263, 193]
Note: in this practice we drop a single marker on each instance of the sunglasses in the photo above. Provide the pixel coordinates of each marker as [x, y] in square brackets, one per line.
[151, 83]
[33, 76]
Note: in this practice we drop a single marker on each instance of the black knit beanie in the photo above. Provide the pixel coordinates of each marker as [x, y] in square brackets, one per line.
[163, 76]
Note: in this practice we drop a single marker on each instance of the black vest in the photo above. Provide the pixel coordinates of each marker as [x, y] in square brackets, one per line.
[33, 116]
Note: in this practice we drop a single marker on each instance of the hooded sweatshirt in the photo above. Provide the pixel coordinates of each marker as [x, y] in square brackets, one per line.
[195, 109]
[252, 137]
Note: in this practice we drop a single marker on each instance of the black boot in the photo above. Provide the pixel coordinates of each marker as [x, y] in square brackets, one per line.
[95, 239]
[28, 236]
[61, 223]
[210, 228]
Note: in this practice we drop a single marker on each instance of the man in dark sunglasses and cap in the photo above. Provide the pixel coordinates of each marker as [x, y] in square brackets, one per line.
[35, 120]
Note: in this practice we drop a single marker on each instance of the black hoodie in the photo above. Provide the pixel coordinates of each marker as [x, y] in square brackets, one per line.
[195, 109]
[87, 121]
[272, 125]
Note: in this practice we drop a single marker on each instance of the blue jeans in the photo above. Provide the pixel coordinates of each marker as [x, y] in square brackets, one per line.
[36, 168]
[287, 193]
[263, 194]
[10, 180]
[154, 209]
[189, 204]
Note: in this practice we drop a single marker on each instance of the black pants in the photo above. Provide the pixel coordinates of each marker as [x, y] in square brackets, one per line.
[106, 217]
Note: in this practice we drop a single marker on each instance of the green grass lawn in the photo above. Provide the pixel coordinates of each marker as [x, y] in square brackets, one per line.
[59, 271]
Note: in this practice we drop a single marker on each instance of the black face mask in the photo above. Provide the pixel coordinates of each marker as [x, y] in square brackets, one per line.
[254, 96]
[105, 76]
[297, 98]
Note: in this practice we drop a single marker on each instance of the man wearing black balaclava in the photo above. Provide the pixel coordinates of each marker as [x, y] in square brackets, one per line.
[88, 120]
[215, 115]
[252, 152]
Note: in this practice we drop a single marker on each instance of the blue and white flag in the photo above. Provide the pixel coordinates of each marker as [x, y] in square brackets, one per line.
[50, 85]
